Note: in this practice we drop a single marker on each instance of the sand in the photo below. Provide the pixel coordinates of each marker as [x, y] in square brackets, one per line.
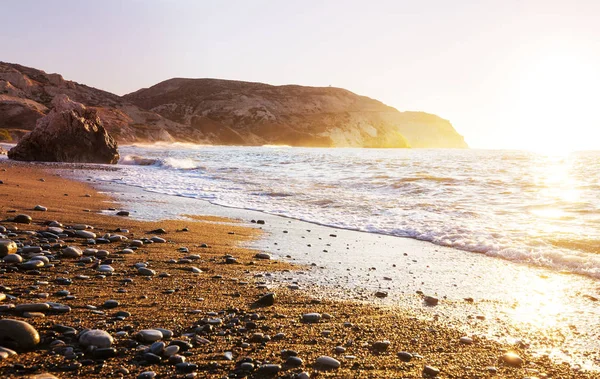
[181, 301]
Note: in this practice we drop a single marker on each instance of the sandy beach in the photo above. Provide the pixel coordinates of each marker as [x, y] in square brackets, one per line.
[200, 285]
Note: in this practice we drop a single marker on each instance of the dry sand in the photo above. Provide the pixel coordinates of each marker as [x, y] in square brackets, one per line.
[180, 302]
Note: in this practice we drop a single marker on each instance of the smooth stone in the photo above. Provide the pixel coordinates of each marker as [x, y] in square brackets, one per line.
[431, 301]
[466, 340]
[263, 256]
[150, 335]
[146, 271]
[22, 219]
[171, 350]
[41, 258]
[40, 208]
[13, 258]
[111, 304]
[405, 356]
[512, 359]
[7, 247]
[72, 252]
[33, 315]
[33, 307]
[294, 362]
[266, 300]
[167, 334]
[158, 239]
[381, 294]
[327, 363]
[381, 346]
[18, 333]
[311, 317]
[85, 234]
[186, 367]
[106, 268]
[44, 375]
[96, 337]
[430, 371]
[157, 348]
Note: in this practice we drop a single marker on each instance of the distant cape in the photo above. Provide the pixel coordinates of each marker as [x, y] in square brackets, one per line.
[225, 112]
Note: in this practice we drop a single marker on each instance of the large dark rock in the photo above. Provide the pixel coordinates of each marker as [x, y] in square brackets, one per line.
[69, 133]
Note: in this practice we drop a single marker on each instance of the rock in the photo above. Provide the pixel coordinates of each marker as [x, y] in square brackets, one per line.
[262, 256]
[381, 294]
[512, 359]
[431, 301]
[18, 334]
[405, 356]
[45, 375]
[72, 252]
[327, 363]
[147, 375]
[33, 307]
[70, 132]
[265, 300]
[40, 208]
[294, 362]
[381, 346]
[260, 222]
[157, 348]
[149, 335]
[430, 371]
[466, 340]
[146, 271]
[7, 247]
[85, 234]
[22, 219]
[123, 213]
[109, 304]
[13, 258]
[156, 239]
[104, 353]
[171, 350]
[105, 268]
[96, 337]
[311, 317]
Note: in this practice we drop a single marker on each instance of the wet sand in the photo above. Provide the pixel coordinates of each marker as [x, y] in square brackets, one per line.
[186, 302]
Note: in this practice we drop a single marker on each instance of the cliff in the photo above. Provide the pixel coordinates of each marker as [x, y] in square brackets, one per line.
[225, 112]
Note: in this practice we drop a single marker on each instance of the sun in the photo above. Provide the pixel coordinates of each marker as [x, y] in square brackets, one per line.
[556, 109]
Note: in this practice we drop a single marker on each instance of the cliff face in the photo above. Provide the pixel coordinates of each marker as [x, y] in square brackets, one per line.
[226, 112]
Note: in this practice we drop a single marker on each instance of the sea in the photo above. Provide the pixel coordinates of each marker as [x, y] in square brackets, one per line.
[517, 233]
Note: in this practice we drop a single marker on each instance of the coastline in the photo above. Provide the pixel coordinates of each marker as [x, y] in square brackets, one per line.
[357, 326]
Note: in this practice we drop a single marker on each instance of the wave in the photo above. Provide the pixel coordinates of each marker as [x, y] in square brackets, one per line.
[169, 162]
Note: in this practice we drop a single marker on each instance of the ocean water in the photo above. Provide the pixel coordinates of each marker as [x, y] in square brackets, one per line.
[525, 207]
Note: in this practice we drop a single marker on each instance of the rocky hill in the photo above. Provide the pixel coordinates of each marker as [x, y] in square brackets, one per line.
[225, 112]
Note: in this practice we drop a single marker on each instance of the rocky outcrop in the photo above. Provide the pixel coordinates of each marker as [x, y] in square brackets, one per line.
[233, 112]
[69, 133]
[212, 111]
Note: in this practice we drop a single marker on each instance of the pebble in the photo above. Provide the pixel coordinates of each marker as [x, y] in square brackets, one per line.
[146, 271]
[105, 268]
[311, 317]
[263, 256]
[268, 370]
[149, 335]
[327, 363]
[22, 219]
[431, 301]
[85, 234]
[33, 307]
[430, 371]
[381, 346]
[96, 337]
[109, 304]
[72, 252]
[381, 294]
[405, 356]
[7, 247]
[18, 333]
[512, 359]
[146, 374]
[266, 300]
[171, 350]
[13, 258]
[466, 340]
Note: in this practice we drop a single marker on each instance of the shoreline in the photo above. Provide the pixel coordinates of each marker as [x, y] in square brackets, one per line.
[357, 327]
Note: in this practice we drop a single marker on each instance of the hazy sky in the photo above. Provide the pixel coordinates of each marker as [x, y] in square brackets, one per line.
[507, 74]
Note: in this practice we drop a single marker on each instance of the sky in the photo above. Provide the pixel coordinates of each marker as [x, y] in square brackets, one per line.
[508, 74]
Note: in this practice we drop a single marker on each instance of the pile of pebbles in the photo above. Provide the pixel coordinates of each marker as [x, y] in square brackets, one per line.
[52, 254]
